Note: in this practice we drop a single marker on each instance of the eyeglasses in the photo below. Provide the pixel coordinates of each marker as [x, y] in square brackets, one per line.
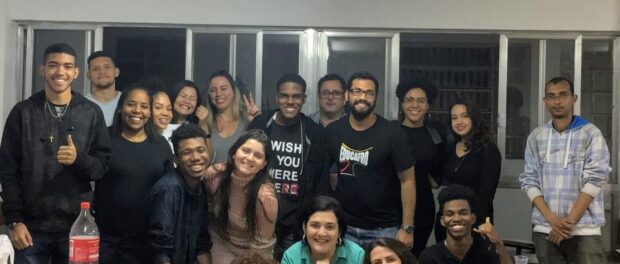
[359, 92]
[561, 96]
[334, 94]
[411, 100]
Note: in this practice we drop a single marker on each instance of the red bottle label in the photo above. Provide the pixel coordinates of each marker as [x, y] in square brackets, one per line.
[83, 248]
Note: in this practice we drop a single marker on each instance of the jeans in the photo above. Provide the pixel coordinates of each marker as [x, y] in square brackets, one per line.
[48, 247]
[577, 249]
[364, 237]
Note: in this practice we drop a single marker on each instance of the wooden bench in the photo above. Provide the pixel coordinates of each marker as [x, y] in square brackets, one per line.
[520, 245]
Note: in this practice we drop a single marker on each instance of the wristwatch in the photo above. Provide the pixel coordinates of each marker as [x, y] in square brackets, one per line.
[408, 228]
[13, 225]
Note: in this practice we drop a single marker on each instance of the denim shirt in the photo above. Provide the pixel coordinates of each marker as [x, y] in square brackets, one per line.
[178, 230]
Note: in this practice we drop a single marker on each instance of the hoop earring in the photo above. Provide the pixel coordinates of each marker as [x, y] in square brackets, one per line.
[303, 239]
[339, 243]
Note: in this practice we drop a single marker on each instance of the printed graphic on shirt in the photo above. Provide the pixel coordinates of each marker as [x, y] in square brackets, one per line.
[352, 159]
[286, 167]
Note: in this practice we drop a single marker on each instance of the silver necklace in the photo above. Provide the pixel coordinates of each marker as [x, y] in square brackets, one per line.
[456, 168]
[59, 115]
[462, 158]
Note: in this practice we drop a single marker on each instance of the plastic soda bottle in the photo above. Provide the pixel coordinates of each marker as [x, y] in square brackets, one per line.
[84, 238]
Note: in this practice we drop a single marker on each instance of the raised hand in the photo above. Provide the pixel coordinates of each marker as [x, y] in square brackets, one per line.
[252, 109]
[486, 230]
[67, 154]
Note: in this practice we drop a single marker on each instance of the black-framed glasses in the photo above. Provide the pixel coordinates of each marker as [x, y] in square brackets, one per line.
[334, 94]
[359, 92]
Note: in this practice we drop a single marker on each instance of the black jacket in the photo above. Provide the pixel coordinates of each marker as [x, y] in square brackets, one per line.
[315, 175]
[37, 190]
[178, 230]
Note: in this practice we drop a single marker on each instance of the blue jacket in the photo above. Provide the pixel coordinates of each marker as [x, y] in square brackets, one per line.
[178, 230]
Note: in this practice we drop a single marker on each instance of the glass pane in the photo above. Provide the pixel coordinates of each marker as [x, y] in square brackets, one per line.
[280, 56]
[155, 53]
[42, 39]
[348, 55]
[460, 65]
[597, 84]
[211, 53]
[246, 63]
[522, 103]
[560, 59]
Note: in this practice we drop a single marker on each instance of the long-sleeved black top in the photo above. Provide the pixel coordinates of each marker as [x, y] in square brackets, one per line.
[122, 203]
[479, 171]
[37, 190]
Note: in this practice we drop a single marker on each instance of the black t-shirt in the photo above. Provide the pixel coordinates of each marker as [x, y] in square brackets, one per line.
[122, 196]
[425, 153]
[480, 252]
[369, 161]
[285, 167]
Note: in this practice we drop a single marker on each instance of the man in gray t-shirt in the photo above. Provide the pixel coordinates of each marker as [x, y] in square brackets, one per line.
[102, 73]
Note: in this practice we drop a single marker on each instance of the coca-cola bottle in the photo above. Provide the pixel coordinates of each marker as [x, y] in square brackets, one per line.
[84, 238]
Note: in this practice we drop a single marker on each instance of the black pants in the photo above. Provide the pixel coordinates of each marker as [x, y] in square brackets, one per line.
[423, 222]
[115, 250]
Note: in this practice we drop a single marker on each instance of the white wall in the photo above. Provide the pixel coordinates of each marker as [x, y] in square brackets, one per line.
[557, 15]
[6, 70]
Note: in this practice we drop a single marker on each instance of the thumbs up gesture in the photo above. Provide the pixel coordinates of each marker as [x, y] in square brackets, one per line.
[67, 154]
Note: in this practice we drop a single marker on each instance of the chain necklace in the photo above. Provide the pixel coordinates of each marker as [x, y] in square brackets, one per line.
[462, 158]
[56, 115]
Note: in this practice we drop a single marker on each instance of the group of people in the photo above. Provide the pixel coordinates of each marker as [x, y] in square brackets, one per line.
[178, 178]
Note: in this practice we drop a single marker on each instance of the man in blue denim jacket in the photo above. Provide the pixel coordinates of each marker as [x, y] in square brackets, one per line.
[178, 228]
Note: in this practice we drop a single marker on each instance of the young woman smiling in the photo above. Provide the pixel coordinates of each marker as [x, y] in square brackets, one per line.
[244, 206]
[139, 158]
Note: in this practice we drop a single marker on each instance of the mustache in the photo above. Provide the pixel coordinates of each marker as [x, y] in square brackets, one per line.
[361, 101]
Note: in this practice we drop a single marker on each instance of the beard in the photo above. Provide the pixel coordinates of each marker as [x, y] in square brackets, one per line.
[103, 85]
[361, 115]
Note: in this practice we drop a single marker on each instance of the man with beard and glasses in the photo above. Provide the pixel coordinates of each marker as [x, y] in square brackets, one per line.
[375, 181]
[460, 247]
[102, 73]
[566, 166]
[298, 168]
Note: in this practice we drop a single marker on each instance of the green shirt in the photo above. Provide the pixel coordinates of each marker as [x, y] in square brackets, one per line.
[349, 253]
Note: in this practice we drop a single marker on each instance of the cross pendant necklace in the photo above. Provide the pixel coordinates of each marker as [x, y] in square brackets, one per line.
[51, 138]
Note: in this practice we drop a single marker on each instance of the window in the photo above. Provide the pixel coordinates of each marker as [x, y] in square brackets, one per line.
[280, 56]
[152, 53]
[460, 66]
[77, 39]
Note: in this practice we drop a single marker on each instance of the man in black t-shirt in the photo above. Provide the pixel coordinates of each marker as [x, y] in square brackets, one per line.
[298, 164]
[460, 246]
[376, 184]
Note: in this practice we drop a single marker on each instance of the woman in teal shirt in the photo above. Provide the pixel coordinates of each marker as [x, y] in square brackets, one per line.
[324, 225]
